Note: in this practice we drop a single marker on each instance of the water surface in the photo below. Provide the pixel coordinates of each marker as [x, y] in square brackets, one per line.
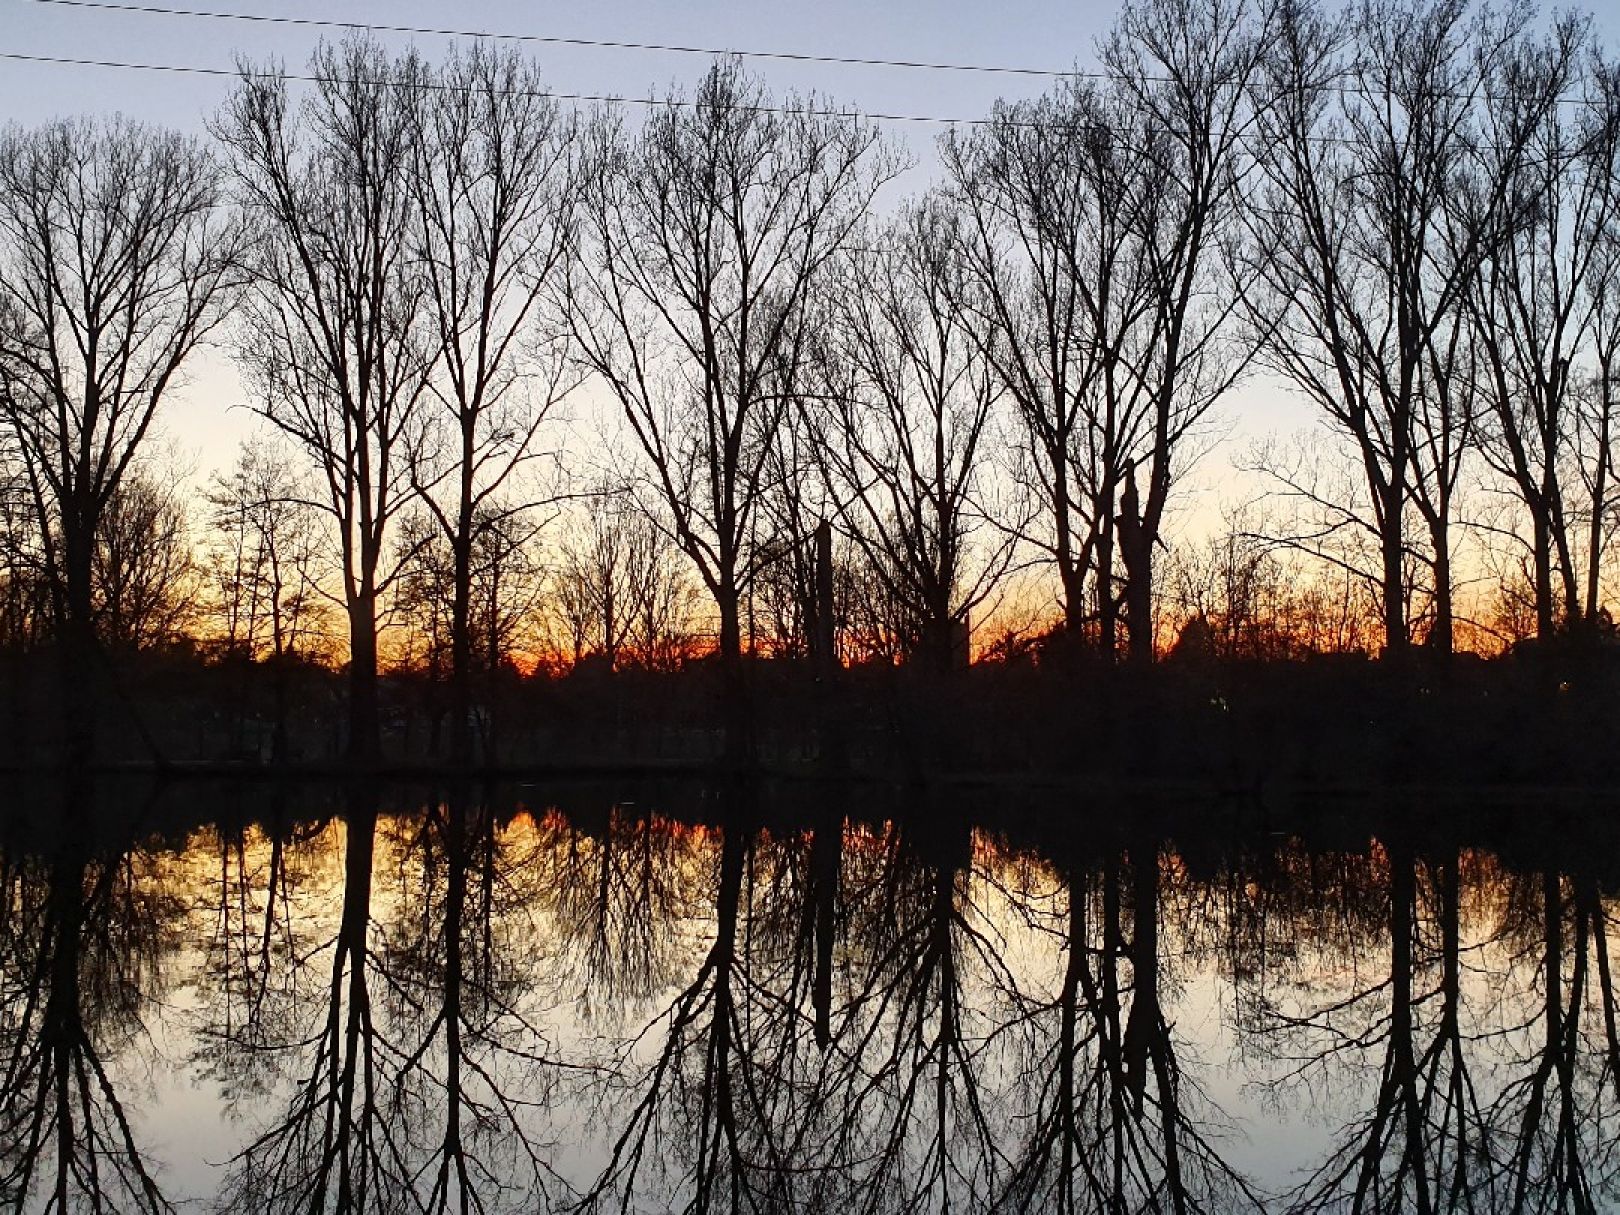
[320, 999]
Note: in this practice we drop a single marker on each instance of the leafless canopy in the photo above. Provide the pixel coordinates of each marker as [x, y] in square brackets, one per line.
[117, 257]
[705, 233]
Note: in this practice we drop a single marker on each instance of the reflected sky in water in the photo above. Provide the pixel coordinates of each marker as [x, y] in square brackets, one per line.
[331, 1000]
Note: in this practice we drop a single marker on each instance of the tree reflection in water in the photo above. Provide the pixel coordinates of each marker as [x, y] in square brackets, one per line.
[1117, 1124]
[913, 1121]
[1422, 1142]
[252, 919]
[619, 889]
[332, 1147]
[1488, 1095]
[1556, 1113]
[712, 1110]
[416, 1088]
[463, 1006]
[83, 934]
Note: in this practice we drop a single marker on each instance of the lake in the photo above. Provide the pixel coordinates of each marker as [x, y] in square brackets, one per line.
[802, 997]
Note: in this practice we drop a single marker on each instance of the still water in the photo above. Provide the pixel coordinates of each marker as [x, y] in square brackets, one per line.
[327, 1000]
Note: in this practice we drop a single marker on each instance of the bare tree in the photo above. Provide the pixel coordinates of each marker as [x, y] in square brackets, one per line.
[1598, 403]
[1370, 239]
[333, 343]
[265, 556]
[1052, 194]
[1097, 216]
[266, 559]
[706, 231]
[145, 574]
[1185, 68]
[116, 257]
[491, 179]
[24, 599]
[1537, 299]
[252, 937]
[617, 590]
[1238, 589]
[903, 446]
[780, 607]
[503, 592]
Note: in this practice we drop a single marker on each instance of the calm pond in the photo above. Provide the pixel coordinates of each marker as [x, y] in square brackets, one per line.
[310, 999]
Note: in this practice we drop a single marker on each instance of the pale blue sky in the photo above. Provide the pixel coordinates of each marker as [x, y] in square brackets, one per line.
[1025, 33]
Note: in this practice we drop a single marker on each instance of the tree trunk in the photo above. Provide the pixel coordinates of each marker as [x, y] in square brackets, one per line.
[1443, 637]
[1139, 615]
[824, 654]
[1136, 549]
[1594, 548]
[1541, 545]
[1396, 641]
[1069, 572]
[940, 642]
[739, 729]
[1564, 569]
[1107, 606]
[823, 632]
[365, 734]
[1074, 602]
[461, 746]
[77, 643]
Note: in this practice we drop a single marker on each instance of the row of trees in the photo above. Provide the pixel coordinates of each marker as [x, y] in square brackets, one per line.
[1410, 215]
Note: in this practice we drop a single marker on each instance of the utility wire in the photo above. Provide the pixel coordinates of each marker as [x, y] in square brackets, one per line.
[672, 103]
[158, 10]
[556, 40]
[667, 102]
[851, 114]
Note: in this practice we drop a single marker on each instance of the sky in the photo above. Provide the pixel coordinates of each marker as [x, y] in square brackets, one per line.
[205, 423]
[208, 419]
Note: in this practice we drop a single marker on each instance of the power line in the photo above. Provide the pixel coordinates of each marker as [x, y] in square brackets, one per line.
[557, 40]
[602, 98]
[667, 102]
[672, 48]
[670, 102]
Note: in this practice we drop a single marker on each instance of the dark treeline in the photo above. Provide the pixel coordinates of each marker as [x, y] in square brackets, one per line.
[470, 1005]
[832, 430]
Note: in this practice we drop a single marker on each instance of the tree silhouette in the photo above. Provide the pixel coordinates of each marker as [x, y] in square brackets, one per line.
[705, 234]
[332, 339]
[117, 256]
